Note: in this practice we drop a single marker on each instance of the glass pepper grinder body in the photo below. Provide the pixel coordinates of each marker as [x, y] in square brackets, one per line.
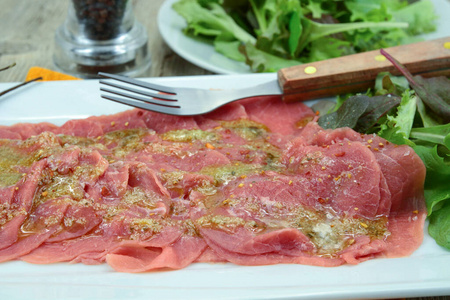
[101, 36]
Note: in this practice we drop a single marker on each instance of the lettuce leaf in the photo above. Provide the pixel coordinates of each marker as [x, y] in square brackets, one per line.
[302, 31]
[397, 127]
[438, 177]
[419, 15]
[212, 21]
[439, 134]
[439, 227]
[261, 61]
[327, 47]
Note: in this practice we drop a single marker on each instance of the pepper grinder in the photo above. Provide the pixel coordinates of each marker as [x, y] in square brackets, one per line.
[101, 36]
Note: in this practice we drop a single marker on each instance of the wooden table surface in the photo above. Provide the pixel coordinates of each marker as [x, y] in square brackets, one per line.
[27, 29]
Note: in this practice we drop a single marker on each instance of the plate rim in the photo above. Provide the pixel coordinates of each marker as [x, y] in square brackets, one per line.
[166, 18]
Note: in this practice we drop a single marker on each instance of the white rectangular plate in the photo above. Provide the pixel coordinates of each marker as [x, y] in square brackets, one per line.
[425, 273]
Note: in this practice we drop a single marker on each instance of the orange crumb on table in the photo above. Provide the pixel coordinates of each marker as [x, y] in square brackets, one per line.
[47, 75]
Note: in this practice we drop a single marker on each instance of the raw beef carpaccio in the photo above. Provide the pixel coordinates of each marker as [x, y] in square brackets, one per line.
[256, 182]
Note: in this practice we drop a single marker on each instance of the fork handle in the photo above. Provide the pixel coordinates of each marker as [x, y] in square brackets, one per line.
[357, 72]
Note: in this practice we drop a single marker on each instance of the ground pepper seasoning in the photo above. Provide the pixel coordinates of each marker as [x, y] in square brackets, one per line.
[101, 19]
[101, 36]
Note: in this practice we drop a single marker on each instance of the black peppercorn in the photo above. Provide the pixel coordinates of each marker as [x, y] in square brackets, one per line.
[101, 19]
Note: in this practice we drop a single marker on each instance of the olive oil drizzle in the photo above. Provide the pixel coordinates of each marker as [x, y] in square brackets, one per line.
[328, 231]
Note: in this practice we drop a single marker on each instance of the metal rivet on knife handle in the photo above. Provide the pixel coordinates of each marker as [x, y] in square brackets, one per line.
[310, 70]
[447, 45]
[380, 58]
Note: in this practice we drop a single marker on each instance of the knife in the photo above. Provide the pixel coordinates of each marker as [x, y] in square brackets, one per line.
[357, 72]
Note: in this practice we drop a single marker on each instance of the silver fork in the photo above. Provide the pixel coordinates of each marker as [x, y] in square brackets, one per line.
[177, 100]
[346, 74]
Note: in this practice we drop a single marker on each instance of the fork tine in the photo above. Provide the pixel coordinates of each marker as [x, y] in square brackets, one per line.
[157, 87]
[169, 97]
[139, 98]
[170, 110]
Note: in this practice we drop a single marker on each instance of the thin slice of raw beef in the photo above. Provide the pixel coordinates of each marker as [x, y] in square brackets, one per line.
[255, 182]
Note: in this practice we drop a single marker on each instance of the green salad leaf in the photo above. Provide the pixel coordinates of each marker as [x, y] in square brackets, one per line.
[347, 115]
[439, 227]
[439, 134]
[419, 15]
[397, 127]
[437, 190]
[262, 61]
[428, 91]
[300, 31]
[360, 112]
[212, 21]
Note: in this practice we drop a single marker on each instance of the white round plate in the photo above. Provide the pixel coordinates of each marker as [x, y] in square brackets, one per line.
[171, 25]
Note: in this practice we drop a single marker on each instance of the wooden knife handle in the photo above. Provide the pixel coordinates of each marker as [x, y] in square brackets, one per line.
[357, 72]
